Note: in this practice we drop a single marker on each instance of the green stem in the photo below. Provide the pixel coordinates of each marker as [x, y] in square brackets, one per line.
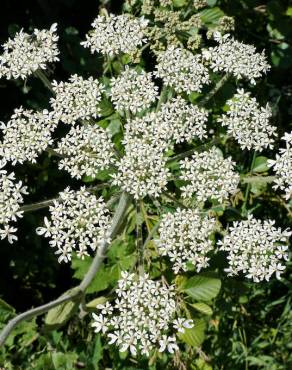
[216, 88]
[40, 74]
[246, 195]
[79, 291]
[162, 97]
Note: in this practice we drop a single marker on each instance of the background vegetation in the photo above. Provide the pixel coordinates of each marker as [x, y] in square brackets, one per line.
[251, 324]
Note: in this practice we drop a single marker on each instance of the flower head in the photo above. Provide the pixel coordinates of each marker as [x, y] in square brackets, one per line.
[112, 35]
[10, 199]
[142, 170]
[26, 135]
[24, 54]
[133, 91]
[79, 221]
[282, 166]
[142, 317]
[181, 70]
[236, 58]
[77, 99]
[256, 248]
[87, 149]
[248, 123]
[184, 236]
[208, 175]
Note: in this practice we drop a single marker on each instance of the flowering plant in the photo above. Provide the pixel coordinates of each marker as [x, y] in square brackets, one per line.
[158, 169]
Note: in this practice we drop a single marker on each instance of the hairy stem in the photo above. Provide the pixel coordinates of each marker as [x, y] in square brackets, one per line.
[79, 290]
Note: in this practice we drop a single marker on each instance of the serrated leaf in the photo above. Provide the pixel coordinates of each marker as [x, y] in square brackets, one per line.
[202, 287]
[194, 337]
[260, 164]
[203, 307]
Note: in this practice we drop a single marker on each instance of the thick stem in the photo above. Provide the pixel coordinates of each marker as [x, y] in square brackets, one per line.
[78, 291]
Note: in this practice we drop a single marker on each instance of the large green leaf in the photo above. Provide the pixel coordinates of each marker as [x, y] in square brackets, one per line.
[211, 15]
[202, 287]
[260, 164]
[202, 307]
[195, 336]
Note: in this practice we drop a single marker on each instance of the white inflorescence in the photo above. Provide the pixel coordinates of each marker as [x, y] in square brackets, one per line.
[112, 35]
[177, 121]
[248, 123]
[79, 221]
[10, 199]
[181, 70]
[26, 135]
[209, 175]
[77, 99]
[143, 316]
[236, 58]
[142, 170]
[184, 236]
[282, 165]
[87, 149]
[24, 54]
[133, 91]
[256, 248]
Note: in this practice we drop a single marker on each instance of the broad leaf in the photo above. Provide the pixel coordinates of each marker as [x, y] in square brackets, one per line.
[202, 287]
[194, 337]
[202, 307]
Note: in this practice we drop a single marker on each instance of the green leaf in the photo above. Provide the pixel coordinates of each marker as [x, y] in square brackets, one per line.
[202, 307]
[5, 306]
[114, 127]
[202, 287]
[260, 164]
[179, 3]
[106, 108]
[211, 15]
[194, 337]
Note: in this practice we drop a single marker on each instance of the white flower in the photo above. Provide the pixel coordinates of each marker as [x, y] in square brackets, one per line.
[282, 166]
[142, 317]
[184, 236]
[10, 199]
[113, 34]
[248, 123]
[142, 170]
[255, 248]
[235, 57]
[208, 176]
[176, 122]
[26, 135]
[87, 149]
[77, 99]
[133, 91]
[79, 221]
[181, 70]
[24, 54]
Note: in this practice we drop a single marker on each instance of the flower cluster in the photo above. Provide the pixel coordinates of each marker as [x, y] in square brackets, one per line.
[133, 91]
[142, 170]
[10, 199]
[236, 58]
[24, 54]
[256, 248]
[184, 236]
[181, 70]
[112, 35]
[77, 99]
[26, 135]
[209, 175]
[282, 165]
[142, 316]
[176, 121]
[248, 123]
[79, 221]
[87, 149]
